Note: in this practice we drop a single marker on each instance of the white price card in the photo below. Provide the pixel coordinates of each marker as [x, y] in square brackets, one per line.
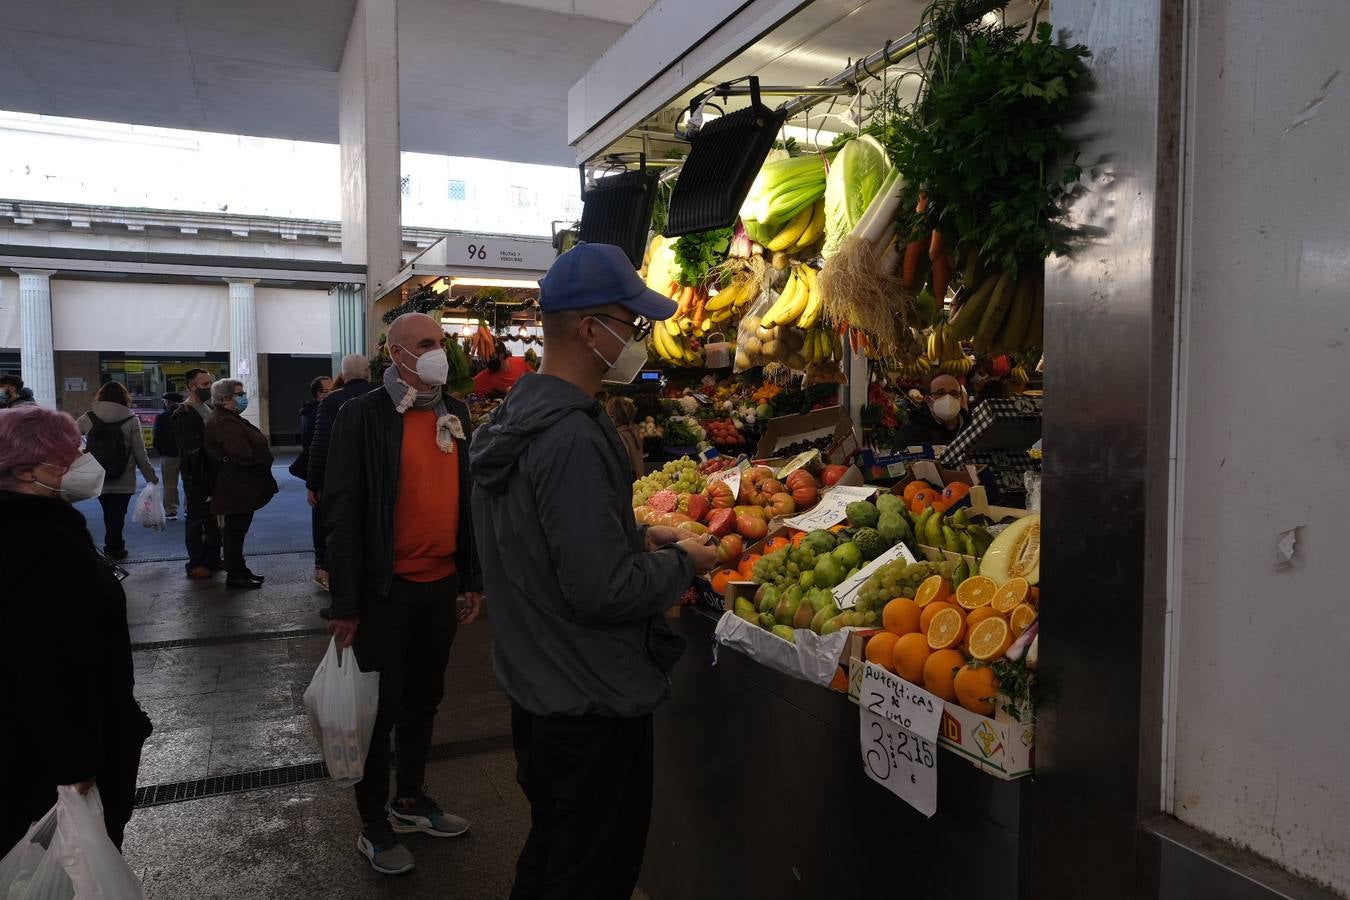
[907, 705]
[899, 760]
[898, 726]
[731, 476]
[846, 592]
[831, 508]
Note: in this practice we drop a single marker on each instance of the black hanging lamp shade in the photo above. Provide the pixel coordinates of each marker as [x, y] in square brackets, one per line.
[724, 157]
[618, 211]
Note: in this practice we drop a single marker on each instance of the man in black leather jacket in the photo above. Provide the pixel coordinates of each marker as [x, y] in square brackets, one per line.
[400, 550]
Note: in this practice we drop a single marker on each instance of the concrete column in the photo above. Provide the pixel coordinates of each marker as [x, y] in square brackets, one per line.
[368, 131]
[37, 358]
[347, 315]
[244, 343]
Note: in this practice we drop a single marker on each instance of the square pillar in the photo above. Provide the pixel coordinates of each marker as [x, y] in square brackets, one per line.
[368, 131]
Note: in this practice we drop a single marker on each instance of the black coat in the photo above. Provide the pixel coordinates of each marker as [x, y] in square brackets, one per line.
[165, 442]
[323, 429]
[360, 491]
[66, 677]
[189, 436]
[924, 428]
[243, 461]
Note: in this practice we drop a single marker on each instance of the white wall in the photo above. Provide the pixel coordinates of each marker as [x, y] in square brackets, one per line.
[293, 321]
[1262, 711]
[9, 313]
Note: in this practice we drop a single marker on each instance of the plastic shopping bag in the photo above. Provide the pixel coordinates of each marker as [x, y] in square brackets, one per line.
[149, 511]
[67, 855]
[342, 702]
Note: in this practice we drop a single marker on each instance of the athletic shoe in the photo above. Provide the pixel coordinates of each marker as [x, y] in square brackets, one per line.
[171, 517]
[243, 581]
[117, 555]
[422, 814]
[378, 843]
[199, 572]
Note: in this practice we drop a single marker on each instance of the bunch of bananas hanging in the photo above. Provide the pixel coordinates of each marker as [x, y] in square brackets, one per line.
[732, 300]
[673, 344]
[1000, 312]
[1019, 376]
[799, 304]
[802, 233]
[944, 351]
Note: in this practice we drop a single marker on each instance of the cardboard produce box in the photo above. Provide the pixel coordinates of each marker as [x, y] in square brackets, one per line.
[832, 422]
[1001, 746]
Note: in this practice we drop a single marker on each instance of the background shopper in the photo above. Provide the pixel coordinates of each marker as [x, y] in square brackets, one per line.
[201, 534]
[352, 381]
[624, 413]
[244, 482]
[166, 447]
[319, 388]
[66, 682]
[113, 435]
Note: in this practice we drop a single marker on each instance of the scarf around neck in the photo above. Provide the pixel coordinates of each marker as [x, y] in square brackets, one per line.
[406, 397]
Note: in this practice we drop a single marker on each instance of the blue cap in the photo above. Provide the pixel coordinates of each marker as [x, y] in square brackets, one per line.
[591, 275]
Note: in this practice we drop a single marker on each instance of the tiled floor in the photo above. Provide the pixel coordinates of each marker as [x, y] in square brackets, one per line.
[233, 707]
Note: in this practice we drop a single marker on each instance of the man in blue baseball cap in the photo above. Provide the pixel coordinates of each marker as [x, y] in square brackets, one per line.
[577, 590]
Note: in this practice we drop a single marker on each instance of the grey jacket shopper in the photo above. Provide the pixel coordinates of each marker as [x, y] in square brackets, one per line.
[113, 437]
[123, 482]
[589, 636]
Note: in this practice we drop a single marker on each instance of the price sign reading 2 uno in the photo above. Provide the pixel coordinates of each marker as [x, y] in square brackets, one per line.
[892, 755]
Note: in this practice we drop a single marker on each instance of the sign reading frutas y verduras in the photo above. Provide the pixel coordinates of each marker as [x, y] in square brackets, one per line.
[897, 734]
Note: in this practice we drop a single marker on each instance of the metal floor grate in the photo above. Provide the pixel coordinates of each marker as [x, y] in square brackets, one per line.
[281, 776]
[247, 638]
[183, 558]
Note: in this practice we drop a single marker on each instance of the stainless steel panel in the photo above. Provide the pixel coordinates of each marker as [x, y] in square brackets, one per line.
[1109, 349]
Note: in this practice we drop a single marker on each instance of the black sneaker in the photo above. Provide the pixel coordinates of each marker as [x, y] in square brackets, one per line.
[116, 555]
[408, 815]
[380, 845]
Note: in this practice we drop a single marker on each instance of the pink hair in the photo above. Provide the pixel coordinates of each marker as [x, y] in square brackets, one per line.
[32, 434]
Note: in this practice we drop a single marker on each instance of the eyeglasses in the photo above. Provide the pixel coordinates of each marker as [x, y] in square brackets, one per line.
[641, 328]
[943, 392]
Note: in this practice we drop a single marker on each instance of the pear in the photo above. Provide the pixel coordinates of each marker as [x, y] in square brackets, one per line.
[823, 615]
[785, 633]
[805, 614]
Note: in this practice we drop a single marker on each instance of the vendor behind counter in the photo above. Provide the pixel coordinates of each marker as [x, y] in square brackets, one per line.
[942, 418]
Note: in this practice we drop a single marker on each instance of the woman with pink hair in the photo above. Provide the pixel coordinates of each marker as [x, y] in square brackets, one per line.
[66, 682]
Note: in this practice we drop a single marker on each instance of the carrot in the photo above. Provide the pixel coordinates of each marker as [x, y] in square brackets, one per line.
[909, 269]
[700, 302]
[686, 300]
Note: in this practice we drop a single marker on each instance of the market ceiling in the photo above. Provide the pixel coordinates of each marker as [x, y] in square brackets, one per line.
[483, 78]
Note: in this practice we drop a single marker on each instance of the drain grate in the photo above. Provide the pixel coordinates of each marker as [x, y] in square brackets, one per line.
[247, 638]
[183, 558]
[281, 776]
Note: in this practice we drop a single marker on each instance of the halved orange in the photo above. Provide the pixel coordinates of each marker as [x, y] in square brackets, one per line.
[976, 616]
[976, 591]
[934, 587]
[947, 629]
[1022, 615]
[1014, 591]
[932, 609]
[990, 639]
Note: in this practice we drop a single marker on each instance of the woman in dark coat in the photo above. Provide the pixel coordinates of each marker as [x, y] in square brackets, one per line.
[244, 482]
[66, 682]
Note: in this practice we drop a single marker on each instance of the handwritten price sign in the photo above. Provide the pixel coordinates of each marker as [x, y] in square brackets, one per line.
[898, 725]
[731, 476]
[831, 508]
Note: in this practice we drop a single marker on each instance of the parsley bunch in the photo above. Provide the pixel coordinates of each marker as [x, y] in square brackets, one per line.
[697, 253]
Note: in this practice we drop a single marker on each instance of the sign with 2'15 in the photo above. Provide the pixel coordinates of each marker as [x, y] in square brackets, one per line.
[897, 733]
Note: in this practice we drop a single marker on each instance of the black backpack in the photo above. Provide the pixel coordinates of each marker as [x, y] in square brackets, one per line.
[106, 443]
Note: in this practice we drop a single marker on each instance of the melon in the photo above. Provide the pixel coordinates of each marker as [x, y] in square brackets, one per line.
[1015, 552]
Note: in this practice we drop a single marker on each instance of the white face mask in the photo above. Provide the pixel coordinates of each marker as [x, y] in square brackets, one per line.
[946, 408]
[82, 481]
[433, 367]
[631, 359]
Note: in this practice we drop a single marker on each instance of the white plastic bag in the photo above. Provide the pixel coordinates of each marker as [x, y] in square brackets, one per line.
[67, 855]
[342, 702]
[149, 511]
[812, 658]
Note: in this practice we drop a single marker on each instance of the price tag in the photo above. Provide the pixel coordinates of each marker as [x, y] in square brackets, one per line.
[731, 476]
[831, 508]
[846, 593]
[899, 760]
[907, 705]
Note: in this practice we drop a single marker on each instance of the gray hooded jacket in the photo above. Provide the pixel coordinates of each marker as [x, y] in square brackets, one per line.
[576, 601]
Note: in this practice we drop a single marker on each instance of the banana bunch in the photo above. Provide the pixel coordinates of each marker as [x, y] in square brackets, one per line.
[800, 303]
[1019, 376]
[672, 344]
[997, 312]
[732, 300]
[801, 233]
[822, 345]
[917, 370]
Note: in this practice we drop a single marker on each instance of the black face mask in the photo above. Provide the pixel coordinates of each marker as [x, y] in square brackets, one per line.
[203, 394]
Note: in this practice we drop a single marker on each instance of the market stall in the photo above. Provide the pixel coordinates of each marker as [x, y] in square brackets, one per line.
[833, 258]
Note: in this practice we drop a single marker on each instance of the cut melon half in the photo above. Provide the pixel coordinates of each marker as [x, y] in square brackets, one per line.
[1016, 552]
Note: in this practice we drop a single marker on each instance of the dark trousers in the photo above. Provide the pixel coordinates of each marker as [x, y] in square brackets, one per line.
[320, 539]
[236, 529]
[406, 637]
[200, 532]
[589, 783]
[114, 518]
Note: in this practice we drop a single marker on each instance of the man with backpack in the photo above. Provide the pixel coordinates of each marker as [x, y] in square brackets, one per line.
[201, 533]
[113, 437]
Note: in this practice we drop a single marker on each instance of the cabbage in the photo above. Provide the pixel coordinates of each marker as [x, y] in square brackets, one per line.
[856, 175]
